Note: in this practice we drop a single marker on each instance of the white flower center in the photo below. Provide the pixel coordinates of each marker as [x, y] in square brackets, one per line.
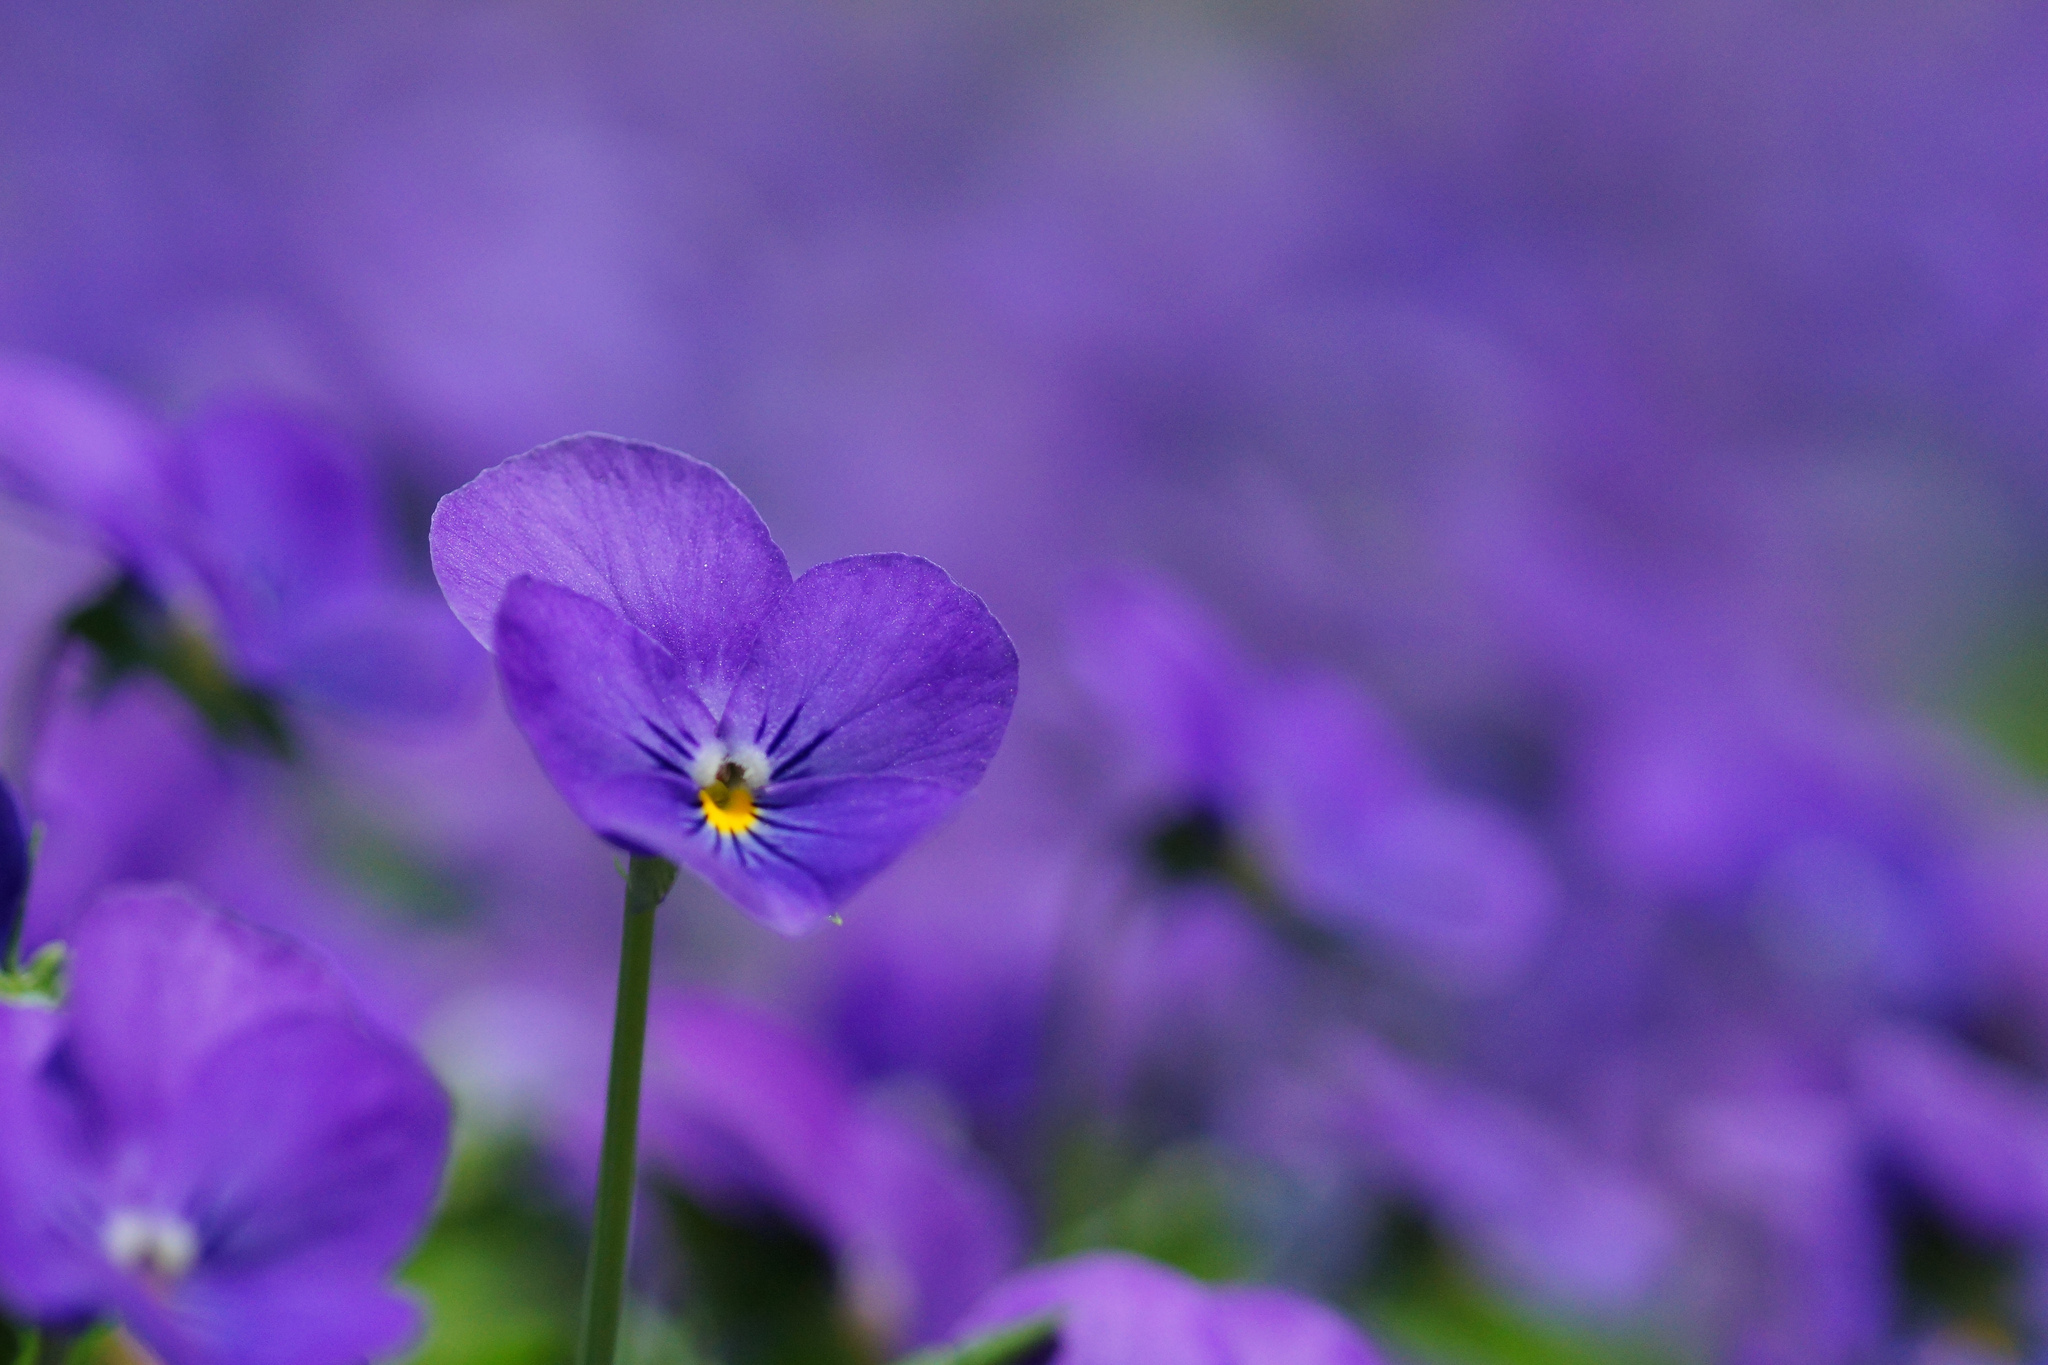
[717, 761]
[161, 1246]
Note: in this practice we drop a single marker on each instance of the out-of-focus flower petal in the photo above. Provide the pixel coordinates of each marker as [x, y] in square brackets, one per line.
[77, 449]
[158, 981]
[1260, 1325]
[379, 653]
[1113, 1309]
[283, 1131]
[1972, 1134]
[1170, 680]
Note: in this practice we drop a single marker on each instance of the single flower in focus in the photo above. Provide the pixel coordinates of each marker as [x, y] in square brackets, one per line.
[250, 543]
[785, 739]
[205, 1144]
[1115, 1309]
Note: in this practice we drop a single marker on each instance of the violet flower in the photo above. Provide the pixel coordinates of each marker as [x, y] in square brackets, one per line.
[206, 1144]
[1299, 783]
[786, 740]
[1115, 1309]
[253, 522]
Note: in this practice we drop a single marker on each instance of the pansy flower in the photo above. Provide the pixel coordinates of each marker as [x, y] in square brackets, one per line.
[1296, 783]
[784, 738]
[206, 1144]
[252, 526]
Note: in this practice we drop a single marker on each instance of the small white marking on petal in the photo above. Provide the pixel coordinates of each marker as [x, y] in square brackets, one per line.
[709, 759]
[160, 1245]
[755, 768]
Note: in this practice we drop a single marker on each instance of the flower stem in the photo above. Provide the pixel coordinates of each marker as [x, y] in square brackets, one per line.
[647, 882]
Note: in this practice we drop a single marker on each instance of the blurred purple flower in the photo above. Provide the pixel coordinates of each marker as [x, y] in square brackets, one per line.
[1304, 774]
[129, 786]
[1543, 1213]
[1834, 839]
[257, 518]
[1115, 1309]
[206, 1144]
[1971, 1134]
[1784, 1174]
[785, 740]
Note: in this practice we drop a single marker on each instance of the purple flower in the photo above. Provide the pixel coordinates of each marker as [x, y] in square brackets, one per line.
[205, 1143]
[255, 518]
[130, 787]
[1541, 1212]
[1114, 1309]
[1304, 774]
[785, 740]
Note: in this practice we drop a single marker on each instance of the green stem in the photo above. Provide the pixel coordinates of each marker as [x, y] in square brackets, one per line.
[647, 881]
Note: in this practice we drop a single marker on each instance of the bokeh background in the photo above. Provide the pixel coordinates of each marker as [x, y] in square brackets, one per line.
[1590, 459]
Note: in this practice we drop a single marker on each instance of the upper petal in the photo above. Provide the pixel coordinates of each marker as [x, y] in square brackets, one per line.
[661, 539]
[607, 711]
[1169, 678]
[307, 1141]
[74, 446]
[879, 665]
[159, 980]
[277, 512]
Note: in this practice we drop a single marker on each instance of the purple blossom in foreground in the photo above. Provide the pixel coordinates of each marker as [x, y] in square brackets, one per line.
[257, 519]
[1114, 1309]
[206, 1144]
[786, 740]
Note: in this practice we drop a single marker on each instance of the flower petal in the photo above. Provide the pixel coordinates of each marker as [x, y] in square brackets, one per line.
[278, 512]
[659, 538]
[159, 981]
[608, 712]
[379, 653]
[875, 666]
[307, 1141]
[816, 843]
[274, 1318]
[74, 446]
[1271, 1324]
[1113, 1308]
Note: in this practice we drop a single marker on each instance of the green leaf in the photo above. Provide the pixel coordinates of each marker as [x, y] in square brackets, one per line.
[40, 983]
[1187, 1207]
[1028, 1343]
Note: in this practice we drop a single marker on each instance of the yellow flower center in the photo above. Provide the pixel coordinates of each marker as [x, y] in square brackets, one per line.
[728, 801]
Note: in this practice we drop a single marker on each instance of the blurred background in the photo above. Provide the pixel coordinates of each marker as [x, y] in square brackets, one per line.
[1527, 531]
